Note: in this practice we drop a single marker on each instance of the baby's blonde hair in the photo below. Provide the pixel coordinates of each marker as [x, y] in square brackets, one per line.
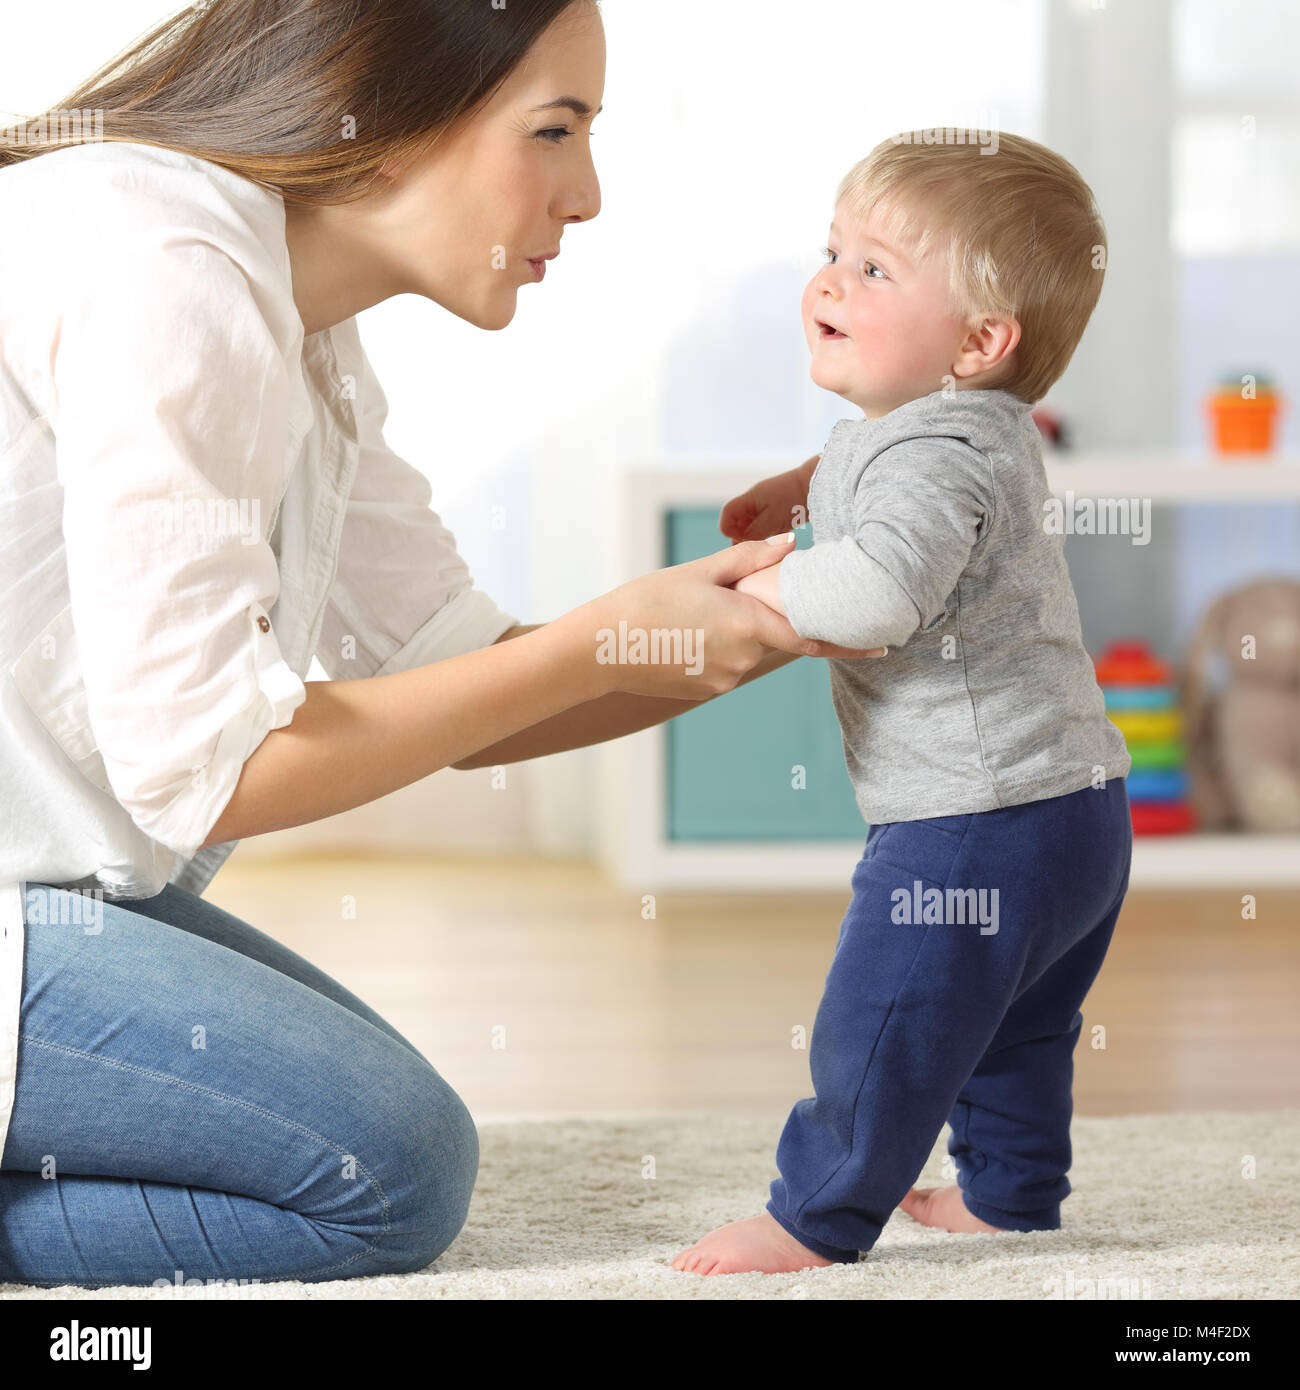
[1018, 226]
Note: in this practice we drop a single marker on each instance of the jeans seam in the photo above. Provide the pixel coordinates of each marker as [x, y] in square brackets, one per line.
[247, 1105]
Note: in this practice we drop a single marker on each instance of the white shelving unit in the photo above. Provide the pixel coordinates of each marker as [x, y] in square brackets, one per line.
[633, 845]
[1169, 477]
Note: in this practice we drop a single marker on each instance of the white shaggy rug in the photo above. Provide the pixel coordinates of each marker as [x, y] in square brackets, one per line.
[1163, 1207]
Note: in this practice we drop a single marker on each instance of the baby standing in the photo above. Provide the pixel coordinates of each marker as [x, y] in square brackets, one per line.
[958, 282]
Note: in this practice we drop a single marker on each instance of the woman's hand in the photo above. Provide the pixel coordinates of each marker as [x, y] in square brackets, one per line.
[682, 633]
[771, 507]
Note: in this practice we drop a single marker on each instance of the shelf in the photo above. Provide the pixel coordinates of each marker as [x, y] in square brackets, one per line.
[1165, 477]
[1238, 863]
[1244, 862]
[632, 825]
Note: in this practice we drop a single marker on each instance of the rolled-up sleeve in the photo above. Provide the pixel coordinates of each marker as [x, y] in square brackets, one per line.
[172, 397]
[920, 508]
[402, 594]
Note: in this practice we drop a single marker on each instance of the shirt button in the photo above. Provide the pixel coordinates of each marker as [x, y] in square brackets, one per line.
[264, 624]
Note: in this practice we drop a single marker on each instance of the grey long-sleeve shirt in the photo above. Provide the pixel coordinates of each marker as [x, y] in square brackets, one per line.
[929, 538]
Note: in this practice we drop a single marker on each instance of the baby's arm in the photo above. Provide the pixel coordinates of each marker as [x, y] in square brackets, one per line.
[764, 585]
[919, 509]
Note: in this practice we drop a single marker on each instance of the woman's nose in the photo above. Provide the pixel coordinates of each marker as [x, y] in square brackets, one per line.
[580, 206]
[589, 204]
[582, 202]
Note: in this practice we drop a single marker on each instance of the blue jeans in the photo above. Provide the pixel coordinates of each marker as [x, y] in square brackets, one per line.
[192, 1096]
[966, 1012]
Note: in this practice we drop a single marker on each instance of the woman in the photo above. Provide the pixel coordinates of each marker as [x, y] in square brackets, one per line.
[192, 441]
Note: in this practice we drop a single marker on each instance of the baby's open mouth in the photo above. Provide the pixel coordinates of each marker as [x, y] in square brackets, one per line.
[824, 330]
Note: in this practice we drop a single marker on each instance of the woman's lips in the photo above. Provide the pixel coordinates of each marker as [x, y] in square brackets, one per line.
[539, 269]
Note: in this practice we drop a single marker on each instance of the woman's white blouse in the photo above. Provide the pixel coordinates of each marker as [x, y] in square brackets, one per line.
[195, 500]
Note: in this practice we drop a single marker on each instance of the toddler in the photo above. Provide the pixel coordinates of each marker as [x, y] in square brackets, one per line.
[958, 283]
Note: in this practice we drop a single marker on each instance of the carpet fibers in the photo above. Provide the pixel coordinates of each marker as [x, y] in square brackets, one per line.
[1164, 1206]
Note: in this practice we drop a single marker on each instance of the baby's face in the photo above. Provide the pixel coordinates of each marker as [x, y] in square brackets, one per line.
[877, 323]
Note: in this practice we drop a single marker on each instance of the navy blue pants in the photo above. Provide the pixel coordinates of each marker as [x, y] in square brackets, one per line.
[954, 995]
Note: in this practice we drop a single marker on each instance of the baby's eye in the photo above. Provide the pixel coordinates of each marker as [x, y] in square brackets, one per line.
[866, 265]
[829, 254]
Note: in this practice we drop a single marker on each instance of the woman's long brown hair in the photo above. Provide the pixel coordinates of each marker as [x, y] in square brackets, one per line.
[308, 97]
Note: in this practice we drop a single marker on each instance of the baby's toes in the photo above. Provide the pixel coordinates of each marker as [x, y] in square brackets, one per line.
[917, 1204]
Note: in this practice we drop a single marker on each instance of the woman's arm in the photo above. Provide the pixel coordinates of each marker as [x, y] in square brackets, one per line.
[596, 721]
[351, 742]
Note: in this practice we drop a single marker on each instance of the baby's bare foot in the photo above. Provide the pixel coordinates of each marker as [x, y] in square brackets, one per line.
[760, 1244]
[944, 1208]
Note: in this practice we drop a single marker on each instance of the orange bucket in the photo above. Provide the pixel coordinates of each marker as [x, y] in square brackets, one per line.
[1240, 425]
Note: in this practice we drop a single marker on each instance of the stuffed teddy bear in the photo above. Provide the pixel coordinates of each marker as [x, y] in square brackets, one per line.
[1242, 722]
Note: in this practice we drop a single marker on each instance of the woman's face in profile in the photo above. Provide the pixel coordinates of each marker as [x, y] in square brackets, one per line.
[465, 219]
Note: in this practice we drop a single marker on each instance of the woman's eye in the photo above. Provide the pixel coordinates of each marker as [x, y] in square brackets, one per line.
[554, 134]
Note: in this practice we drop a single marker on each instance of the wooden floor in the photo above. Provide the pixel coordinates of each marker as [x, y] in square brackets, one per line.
[537, 987]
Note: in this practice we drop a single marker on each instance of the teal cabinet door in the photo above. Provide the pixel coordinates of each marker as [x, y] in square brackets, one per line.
[733, 769]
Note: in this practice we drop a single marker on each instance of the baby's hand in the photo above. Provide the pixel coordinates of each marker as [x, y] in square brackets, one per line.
[774, 505]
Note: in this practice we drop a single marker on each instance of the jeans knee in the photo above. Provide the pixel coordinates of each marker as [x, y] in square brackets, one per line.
[448, 1203]
[433, 1172]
